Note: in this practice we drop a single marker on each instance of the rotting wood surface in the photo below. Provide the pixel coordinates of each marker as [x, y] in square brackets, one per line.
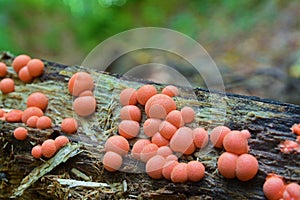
[82, 176]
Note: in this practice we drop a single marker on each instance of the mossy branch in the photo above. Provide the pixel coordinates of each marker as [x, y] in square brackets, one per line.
[268, 121]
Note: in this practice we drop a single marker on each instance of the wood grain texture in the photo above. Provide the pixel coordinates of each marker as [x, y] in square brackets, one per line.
[268, 121]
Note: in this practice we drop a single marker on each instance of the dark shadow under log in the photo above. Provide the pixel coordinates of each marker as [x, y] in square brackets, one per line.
[268, 121]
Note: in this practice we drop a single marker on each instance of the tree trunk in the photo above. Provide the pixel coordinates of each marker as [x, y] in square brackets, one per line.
[76, 171]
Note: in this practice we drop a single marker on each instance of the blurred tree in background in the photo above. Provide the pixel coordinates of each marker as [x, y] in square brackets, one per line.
[255, 43]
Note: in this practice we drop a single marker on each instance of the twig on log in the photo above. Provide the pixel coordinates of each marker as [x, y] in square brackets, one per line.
[62, 156]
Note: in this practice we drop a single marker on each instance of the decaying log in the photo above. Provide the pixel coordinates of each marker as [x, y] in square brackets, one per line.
[80, 175]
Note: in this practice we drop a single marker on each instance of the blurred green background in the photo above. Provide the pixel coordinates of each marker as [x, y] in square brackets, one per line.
[256, 44]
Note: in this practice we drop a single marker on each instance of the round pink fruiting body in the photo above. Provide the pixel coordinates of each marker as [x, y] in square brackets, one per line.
[129, 129]
[151, 126]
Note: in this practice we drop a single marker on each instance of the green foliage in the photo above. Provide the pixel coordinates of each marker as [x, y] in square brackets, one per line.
[45, 26]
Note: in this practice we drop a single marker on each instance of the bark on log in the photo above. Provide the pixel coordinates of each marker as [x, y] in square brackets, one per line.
[76, 171]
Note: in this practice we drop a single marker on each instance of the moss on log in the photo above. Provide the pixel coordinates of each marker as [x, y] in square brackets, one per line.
[81, 176]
